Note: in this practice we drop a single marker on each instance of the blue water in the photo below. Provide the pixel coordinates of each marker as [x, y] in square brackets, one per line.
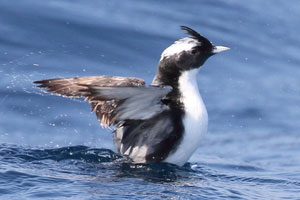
[54, 148]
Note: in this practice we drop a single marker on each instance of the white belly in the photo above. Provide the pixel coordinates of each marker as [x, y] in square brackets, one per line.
[195, 119]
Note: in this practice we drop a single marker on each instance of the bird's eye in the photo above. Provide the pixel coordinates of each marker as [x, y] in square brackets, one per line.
[194, 51]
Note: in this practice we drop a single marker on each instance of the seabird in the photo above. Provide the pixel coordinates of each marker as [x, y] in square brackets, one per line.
[162, 122]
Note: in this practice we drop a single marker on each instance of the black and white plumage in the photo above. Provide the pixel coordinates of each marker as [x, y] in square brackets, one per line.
[163, 122]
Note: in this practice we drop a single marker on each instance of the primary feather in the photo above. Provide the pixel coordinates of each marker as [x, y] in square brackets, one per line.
[78, 87]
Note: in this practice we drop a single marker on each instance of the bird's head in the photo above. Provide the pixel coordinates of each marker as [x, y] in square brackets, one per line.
[185, 54]
[190, 52]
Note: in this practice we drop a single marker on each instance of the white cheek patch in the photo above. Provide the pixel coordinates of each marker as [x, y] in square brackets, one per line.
[184, 44]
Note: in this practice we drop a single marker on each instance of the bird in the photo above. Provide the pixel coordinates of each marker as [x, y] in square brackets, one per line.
[161, 122]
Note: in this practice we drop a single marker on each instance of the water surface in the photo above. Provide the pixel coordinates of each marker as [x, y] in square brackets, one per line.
[54, 148]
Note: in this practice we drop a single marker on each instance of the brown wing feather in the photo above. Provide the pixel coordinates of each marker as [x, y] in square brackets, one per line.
[77, 87]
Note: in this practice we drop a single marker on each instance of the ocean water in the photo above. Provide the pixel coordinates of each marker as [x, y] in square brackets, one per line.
[53, 148]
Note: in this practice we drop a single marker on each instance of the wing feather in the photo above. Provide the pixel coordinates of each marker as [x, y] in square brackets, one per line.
[135, 103]
[73, 87]
[112, 98]
[76, 87]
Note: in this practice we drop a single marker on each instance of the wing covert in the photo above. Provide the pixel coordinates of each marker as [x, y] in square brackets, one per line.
[112, 98]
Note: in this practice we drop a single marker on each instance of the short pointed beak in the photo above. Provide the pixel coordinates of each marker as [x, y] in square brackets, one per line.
[219, 49]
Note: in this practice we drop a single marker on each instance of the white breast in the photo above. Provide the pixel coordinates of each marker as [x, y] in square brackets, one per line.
[195, 119]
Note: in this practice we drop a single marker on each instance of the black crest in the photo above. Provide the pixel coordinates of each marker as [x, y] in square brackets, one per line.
[204, 41]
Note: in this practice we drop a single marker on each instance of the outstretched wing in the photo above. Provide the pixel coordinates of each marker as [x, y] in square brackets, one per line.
[71, 87]
[113, 98]
[135, 103]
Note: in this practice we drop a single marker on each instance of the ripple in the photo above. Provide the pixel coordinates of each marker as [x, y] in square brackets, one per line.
[83, 153]
[25, 168]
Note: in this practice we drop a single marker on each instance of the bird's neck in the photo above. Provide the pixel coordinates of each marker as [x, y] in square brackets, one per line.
[188, 88]
[167, 75]
[184, 83]
[187, 82]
